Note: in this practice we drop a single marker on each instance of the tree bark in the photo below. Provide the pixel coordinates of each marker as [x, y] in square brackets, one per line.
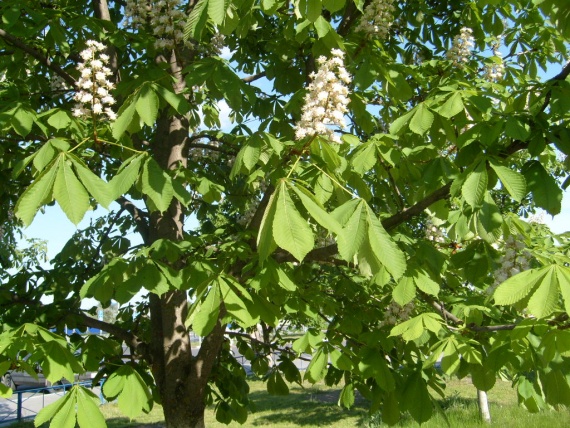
[483, 406]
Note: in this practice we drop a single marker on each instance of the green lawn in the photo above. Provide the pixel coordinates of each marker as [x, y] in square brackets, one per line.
[316, 407]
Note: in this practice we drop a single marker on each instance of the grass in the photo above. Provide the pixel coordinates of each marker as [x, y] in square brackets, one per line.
[315, 406]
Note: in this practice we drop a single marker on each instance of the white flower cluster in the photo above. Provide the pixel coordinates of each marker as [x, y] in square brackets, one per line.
[136, 13]
[395, 313]
[324, 239]
[57, 84]
[198, 154]
[164, 16]
[217, 42]
[496, 70]
[93, 96]
[377, 18]
[515, 259]
[461, 48]
[327, 100]
[247, 216]
[434, 233]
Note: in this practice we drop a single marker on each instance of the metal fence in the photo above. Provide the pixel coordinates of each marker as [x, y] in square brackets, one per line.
[26, 404]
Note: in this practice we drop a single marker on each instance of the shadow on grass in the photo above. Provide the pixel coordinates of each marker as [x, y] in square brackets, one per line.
[127, 423]
[308, 407]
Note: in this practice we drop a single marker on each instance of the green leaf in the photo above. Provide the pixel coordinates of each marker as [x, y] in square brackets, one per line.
[206, 315]
[364, 158]
[147, 105]
[59, 362]
[513, 181]
[314, 9]
[291, 231]
[422, 120]
[517, 129]
[157, 184]
[217, 10]
[128, 174]
[98, 188]
[276, 385]
[316, 210]
[133, 393]
[265, 242]
[563, 275]
[355, 230]
[60, 119]
[88, 413]
[385, 249]
[417, 399]
[23, 120]
[544, 301]
[44, 156]
[545, 190]
[426, 284]
[405, 291]
[346, 397]
[475, 186]
[482, 377]
[124, 118]
[317, 367]
[452, 106]
[519, 286]
[62, 412]
[401, 121]
[176, 101]
[70, 193]
[196, 21]
[37, 194]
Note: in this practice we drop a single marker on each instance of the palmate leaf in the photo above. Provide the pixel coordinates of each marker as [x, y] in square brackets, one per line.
[206, 314]
[97, 187]
[157, 185]
[147, 105]
[38, 193]
[316, 210]
[350, 215]
[513, 181]
[475, 186]
[217, 10]
[385, 249]
[290, 230]
[265, 242]
[452, 106]
[62, 412]
[126, 177]
[69, 192]
[88, 413]
[133, 394]
[542, 287]
[421, 120]
[196, 20]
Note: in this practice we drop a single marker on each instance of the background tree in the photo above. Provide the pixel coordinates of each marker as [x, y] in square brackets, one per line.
[372, 187]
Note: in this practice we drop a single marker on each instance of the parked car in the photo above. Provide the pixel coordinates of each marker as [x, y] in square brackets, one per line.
[18, 380]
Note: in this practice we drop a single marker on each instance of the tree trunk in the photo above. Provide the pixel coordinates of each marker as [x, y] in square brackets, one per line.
[483, 406]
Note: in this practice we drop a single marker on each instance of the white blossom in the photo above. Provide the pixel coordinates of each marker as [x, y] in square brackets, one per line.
[460, 50]
[515, 259]
[165, 19]
[377, 18]
[327, 100]
[93, 96]
[395, 313]
[496, 70]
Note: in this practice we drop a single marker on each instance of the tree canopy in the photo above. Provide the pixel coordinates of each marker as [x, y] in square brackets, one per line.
[379, 186]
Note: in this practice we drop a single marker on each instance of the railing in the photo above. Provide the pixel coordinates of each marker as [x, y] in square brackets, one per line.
[26, 403]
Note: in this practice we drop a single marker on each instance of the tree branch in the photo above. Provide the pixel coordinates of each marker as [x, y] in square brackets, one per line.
[16, 42]
[129, 338]
[249, 79]
[138, 215]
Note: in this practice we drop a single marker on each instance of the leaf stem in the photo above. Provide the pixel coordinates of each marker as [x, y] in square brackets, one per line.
[336, 181]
